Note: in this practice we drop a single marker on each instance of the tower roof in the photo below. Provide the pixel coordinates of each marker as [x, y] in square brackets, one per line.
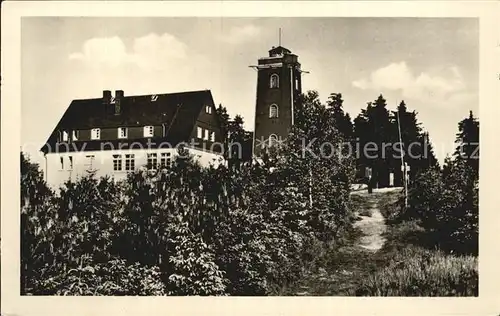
[280, 50]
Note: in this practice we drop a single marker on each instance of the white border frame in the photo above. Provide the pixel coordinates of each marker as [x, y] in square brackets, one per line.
[486, 304]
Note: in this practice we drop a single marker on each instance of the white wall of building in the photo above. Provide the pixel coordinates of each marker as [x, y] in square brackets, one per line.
[101, 162]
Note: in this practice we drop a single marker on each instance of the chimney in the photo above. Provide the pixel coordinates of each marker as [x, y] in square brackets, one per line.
[118, 94]
[118, 99]
[106, 96]
[106, 100]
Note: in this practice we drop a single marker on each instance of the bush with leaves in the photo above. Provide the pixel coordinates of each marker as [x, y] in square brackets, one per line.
[114, 277]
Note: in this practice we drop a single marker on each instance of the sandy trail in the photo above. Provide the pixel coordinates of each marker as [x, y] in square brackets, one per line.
[373, 227]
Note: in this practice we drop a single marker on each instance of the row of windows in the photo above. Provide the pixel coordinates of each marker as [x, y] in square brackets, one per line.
[95, 133]
[203, 133]
[125, 162]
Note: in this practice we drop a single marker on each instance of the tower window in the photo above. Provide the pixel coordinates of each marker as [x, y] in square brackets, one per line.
[273, 140]
[275, 81]
[273, 111]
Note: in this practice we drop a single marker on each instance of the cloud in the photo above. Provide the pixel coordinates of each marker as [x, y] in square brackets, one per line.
[150, 52]
[241, 34]
[427, 87]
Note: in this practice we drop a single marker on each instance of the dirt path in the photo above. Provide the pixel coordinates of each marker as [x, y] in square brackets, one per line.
[373, 228]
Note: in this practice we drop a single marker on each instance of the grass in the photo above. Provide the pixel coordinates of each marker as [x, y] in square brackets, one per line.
[421, 272]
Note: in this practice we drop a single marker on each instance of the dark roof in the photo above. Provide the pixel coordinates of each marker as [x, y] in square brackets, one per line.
[280, 50]
[178, 111]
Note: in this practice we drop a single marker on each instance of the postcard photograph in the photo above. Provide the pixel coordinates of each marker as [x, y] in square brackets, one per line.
[314, 156]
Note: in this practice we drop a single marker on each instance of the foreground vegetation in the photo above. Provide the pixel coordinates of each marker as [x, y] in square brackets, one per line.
[405, 266]
[282, 226]
[188, 230]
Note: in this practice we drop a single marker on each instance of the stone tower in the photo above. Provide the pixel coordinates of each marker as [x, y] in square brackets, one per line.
[278, 88]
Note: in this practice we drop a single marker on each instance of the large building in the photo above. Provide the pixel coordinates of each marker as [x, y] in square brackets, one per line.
[114, 135]
[278, 89]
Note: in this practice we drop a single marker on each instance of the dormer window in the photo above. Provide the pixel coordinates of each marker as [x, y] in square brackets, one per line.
[274, 81]
[95, 134]
[273, 111]
[74, 135]
[208, 109]
[122, 132]
[148, 131]
[64, 136]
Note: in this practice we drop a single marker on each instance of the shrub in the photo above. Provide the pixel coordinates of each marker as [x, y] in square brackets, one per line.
[192, 267]
[114, 277]
[417, 272]
[446, 206]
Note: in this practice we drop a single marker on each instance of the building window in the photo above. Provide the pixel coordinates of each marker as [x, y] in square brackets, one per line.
[275, 81]
[70, 162]
[148, 131]
[199, 132]
[117, 162]
[90, 162]
[152, 161]
[64, 136]
[273, 111]
[273, 140]
[122, 132]
[212, 136]
[206, 134]
[208, 109]
[165, 160]
[129, 162]
[95, 134]
[62, 163]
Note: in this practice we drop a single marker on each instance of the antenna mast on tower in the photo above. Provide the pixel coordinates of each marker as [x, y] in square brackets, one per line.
[279, 38]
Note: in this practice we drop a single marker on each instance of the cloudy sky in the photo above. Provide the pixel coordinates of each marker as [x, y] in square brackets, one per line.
[432, 64]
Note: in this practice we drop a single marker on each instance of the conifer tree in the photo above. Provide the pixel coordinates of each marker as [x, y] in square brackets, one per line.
[374, 132]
